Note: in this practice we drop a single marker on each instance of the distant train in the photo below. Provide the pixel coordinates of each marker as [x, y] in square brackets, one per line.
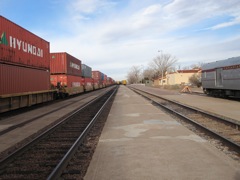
[30, 74]
[124, 82]
[222, 78]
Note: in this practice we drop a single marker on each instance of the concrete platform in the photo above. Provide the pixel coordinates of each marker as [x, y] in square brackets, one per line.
[139, 141]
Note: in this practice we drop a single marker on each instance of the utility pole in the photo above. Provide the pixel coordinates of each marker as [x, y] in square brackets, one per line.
[162, 67]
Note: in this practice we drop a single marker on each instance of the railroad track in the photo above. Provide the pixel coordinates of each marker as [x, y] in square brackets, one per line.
[194, 93]
[15, 112]
[19, 125]
[221, 128]
[203, 94]
[47, 156]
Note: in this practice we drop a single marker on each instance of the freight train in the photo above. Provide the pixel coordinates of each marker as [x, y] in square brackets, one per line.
[222, 78]
[30, 74]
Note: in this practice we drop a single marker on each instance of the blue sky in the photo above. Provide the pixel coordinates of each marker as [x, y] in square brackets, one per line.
[114, 35]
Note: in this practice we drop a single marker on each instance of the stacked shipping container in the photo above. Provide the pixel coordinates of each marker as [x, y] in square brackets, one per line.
[66, 70]
[64, 63]
[87, 77]
[97, 75]
[21, 47]
[86, 71]
[15, 79]
[110, 81]
[24, 67]
[88, 84]
[104, 80]
[98, 79]
[24, 60]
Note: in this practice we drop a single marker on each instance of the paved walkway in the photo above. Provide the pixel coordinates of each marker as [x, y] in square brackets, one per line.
[140, 142]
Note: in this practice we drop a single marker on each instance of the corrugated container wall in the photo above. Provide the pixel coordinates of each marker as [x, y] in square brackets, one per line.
[17, 79]
[18, 46]
[97, 75]
[102, 76]
[105, 77]
[66, 80]
[109, 80]
[87, 81]
[86, 71]
[64, 63]
[96, 81]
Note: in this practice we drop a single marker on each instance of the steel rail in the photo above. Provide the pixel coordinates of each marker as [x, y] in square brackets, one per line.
[229, 121]
[226, 140]
[195, 93]
[38, 117]
[56, 173]
[45, 133]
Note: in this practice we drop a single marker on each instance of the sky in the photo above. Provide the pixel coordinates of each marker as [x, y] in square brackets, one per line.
[113, 35]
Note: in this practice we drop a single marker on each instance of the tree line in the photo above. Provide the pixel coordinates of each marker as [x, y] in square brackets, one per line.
[157, 68]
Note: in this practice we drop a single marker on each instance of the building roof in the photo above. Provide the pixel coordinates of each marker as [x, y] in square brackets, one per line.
[186, 71]
[222, 63]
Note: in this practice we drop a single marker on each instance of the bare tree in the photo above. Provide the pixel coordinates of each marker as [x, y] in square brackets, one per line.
[195, 79]
[197, 66]
[148, 73]
[162, 63]
[178, 67]
[134, 74]
[193, 66]
[130, 78]
[186, 68]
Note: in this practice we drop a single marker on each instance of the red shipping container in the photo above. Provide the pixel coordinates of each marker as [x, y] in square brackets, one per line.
[17, 79]
[66, 80]
[64, 63]
[95, 81]
[18, 46]
[88, 84]
[110, 80]
[96, 75]
[87, 81]
[104, 82]
[105, 77]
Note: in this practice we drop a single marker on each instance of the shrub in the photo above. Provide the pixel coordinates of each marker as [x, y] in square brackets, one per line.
[195, 79]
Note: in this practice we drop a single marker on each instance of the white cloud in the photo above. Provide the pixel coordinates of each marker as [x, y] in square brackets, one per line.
[82, 6]
[236, 21]
[153, 9]
[110, 39]
[90, 6]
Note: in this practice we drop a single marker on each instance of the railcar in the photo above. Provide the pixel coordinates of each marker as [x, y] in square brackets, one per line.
[24, 67]
[222, 78]
[30, 74]
[87, 80]
[98, 77]
[66, 73]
